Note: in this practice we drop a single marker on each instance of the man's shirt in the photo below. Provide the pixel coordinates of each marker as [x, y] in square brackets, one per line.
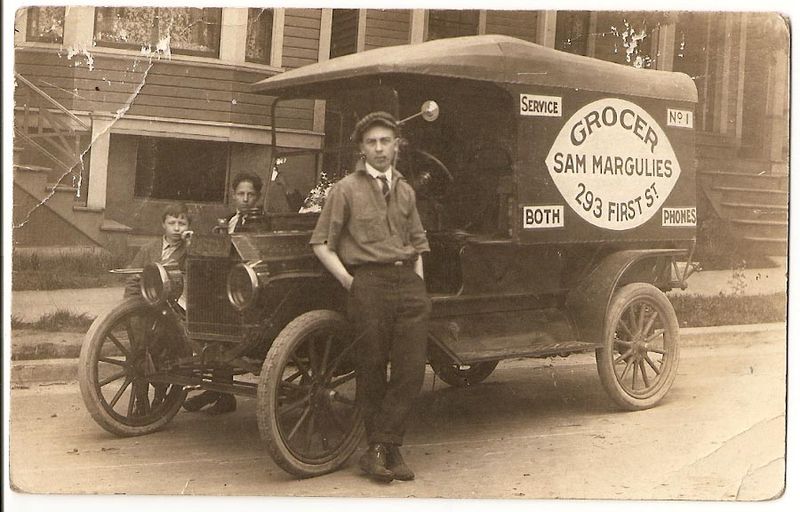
[232, 223]
[168, 248]
[360, 226]
[375, 173]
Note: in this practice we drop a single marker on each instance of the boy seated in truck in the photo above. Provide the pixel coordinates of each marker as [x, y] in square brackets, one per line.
[169, 248]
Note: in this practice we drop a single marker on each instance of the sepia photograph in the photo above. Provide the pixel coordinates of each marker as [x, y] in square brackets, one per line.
[329, 251]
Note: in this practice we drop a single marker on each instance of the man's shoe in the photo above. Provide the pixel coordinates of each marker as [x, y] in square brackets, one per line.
[225, 403]
[373, 463]
[197, 402]
[396, 464]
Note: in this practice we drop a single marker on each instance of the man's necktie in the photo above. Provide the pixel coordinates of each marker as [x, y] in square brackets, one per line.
[384, 187]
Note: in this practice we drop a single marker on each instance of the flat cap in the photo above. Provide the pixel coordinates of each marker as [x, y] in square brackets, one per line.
[375, 118]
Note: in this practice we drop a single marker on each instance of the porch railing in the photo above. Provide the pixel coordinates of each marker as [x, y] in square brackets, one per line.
[45, 125]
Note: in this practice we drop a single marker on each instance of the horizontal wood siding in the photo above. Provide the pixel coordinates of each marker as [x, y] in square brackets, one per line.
[171, 89]
[387, 28]
[301, 37]
[520, 24]
[344, 32]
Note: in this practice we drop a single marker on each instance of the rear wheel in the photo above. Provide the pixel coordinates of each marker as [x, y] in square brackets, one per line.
[639, 358]
[120, 350]
[307, 412]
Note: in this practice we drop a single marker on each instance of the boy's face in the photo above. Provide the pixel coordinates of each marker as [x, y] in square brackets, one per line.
[245, 196]
[175, 226]
[379, 145]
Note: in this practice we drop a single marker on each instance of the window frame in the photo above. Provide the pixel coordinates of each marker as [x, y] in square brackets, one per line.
[214, 54]
[223, 178]
[269, 36]
[32, 14]
[430, 17]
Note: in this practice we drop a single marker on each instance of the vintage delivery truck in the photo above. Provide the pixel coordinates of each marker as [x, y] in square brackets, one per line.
[558, 195]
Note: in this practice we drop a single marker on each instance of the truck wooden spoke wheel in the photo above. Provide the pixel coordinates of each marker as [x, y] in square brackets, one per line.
[639, 359]
[120, 351]
[307, 411]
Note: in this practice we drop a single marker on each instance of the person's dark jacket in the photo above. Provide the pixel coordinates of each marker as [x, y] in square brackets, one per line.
[151, 253]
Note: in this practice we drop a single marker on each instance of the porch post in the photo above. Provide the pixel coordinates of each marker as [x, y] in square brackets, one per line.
[665, 46]
[78, 27]
[325, 31]
[546, 28]
[361, 31]
[778, 100]
[98, 165]
[418, 25]
[233, 34]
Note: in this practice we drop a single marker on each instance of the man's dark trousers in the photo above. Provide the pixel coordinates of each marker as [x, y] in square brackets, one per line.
[389, 308]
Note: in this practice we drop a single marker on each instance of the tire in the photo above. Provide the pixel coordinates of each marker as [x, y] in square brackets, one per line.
[641, 337]
[461, 376]
[123, 401]
[307, 413]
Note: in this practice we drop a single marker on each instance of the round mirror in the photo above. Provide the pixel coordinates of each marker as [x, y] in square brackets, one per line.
[430, 111]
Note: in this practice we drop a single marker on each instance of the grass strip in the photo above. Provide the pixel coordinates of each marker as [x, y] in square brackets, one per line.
[691, 310]
[704, 311]
[64, 270]
[61, 320]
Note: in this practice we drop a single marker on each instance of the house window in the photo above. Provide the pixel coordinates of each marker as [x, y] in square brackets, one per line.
[344, 32]
[572, 31]
[187, 31]
[178, 169]
[45, 24]
[627, 37]
[452, 23]
[259, 35]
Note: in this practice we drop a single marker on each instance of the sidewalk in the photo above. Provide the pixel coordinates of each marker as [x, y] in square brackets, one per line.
[32, 305]
[27, 371]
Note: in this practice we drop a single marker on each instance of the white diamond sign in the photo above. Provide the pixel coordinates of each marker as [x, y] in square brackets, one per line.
[613, 164]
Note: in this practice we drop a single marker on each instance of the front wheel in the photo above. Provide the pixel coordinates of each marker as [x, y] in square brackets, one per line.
[120, 350]
[639, 358]
[307, 412]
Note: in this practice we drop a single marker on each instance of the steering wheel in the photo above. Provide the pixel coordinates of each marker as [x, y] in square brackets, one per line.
[428, 175]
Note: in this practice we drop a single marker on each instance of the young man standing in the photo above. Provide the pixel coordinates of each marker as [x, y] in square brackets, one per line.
[246, 190]
[369, 236]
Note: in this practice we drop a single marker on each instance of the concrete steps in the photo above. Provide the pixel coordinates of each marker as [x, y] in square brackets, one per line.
[754, 211]
[59, 199]
[763, 196]
[747, 180]
[761, 229]
[768, 246]
[753, 200]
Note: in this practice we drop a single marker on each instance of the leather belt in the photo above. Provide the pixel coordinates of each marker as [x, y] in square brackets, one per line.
[389, 264]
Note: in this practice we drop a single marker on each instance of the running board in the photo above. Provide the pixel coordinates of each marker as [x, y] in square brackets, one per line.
[196, 382]
[474, 352]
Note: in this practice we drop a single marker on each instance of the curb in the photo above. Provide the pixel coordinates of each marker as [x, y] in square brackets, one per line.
[43, 370]
[66, 370]
[729, 334]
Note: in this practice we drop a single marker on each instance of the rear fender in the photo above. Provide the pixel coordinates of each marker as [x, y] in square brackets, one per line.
[587, 304]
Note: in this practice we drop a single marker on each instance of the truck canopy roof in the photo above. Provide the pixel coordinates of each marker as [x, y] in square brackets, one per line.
[489, 58]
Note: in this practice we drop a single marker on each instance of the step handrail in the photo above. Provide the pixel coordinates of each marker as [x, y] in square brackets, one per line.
[50, 100]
